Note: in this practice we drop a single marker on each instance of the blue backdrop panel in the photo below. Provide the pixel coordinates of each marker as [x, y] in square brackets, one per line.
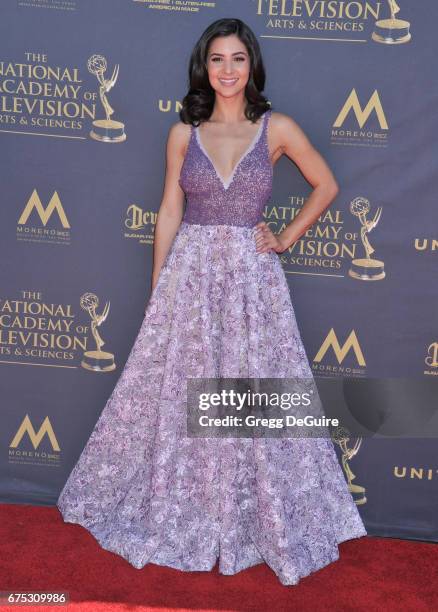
[80, 198]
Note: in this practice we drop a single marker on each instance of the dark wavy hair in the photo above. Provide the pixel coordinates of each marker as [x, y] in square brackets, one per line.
[197, 104]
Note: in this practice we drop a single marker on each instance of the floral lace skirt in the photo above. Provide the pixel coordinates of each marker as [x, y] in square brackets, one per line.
[151, 494]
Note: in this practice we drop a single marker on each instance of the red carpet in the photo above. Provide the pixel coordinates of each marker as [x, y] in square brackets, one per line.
[41, 552]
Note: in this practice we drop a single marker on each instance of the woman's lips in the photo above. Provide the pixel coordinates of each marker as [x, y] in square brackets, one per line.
[228, 82]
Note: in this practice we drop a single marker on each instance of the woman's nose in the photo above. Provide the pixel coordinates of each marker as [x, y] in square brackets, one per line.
[228, 65]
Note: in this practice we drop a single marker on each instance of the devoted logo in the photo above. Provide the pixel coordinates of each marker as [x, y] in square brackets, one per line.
[431, 359]
[140, 223]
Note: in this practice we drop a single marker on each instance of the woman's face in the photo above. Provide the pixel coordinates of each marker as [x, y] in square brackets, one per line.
[228, 65]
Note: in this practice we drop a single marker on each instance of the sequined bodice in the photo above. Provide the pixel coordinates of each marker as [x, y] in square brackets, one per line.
[238, 201]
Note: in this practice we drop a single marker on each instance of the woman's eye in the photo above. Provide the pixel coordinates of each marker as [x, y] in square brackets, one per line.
[218, 59]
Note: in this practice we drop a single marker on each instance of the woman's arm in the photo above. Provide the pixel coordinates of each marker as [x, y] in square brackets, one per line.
[288, 138]
[171, 208]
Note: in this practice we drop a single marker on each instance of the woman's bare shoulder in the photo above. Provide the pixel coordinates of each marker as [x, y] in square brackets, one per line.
[288, 134]
[179, 135]
[281, 121]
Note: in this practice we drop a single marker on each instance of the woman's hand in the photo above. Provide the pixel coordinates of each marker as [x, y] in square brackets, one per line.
[267, 241]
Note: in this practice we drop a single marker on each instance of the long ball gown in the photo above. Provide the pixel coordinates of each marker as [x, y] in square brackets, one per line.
[151, 494]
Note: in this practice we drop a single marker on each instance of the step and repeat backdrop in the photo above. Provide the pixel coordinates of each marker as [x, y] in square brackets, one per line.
[80, 201]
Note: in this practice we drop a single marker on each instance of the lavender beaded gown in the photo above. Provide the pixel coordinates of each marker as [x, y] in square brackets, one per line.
[152, 495]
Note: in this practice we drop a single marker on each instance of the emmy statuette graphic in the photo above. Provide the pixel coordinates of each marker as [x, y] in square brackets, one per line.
[341, 437]
[392, 31]
[98, 360]
[366, 268]
[105, 130]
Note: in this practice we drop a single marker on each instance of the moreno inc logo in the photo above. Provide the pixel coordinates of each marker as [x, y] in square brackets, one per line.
[33, 224]
[351, 345]
[353, 104]
[26, 431]
[54, 205]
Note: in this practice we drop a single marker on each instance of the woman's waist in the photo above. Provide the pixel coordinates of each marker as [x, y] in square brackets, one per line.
[219, 246]
[202, 213]
[232, 245]
[222, 228]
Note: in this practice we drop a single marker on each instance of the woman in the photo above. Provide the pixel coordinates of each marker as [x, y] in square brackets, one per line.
[220, 307]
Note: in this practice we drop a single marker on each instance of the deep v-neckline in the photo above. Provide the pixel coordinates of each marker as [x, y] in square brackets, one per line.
[228, 182]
